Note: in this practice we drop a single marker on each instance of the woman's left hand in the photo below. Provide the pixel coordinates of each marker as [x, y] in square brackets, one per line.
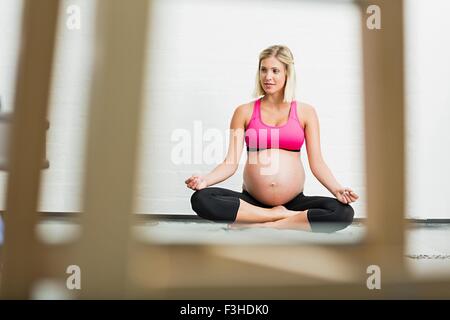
[346, 195]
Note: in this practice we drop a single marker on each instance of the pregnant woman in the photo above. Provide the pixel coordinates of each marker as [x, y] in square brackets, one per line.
[274, 128]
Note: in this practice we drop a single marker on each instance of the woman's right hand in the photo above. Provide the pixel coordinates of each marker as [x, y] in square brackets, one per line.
[196, 182]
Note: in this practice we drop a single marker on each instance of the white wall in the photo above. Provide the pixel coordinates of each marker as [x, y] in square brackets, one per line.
[203, 59]
[427, 56]
[203, 62]
[10, 11]
[62, 183]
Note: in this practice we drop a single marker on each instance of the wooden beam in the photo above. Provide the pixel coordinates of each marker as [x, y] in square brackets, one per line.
[27, 146]
[114, 118]
[384, 135]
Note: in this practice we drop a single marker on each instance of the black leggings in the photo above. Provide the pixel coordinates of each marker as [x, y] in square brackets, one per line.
[324, 214]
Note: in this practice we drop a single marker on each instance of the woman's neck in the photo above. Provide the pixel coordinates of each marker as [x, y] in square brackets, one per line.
[275, 100]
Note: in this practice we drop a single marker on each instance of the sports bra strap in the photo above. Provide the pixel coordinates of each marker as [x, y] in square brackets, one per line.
[256, 109]
[293, 111]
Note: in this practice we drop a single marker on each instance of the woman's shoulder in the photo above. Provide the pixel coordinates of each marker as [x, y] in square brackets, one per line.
[248, 105]
[246, 108]
[304, 111]
[244, 112]
[304, 106]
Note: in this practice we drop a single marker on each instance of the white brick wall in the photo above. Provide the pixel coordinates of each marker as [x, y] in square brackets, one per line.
[62, 183]
[203, 58]
[428, 97]
[204, 63]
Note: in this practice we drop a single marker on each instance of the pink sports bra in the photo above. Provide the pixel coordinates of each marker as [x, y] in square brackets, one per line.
[259, 136]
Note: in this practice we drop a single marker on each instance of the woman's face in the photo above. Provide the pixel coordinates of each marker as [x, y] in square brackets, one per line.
[272, 75]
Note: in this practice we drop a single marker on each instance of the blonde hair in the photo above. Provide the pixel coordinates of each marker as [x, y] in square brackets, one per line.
[284, 55]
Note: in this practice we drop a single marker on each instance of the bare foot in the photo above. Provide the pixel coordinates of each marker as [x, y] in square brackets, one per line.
[281, 212]
[296, 221]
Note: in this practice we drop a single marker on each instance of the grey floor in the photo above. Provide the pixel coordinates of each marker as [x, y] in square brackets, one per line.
[427, 250]
[198, 232]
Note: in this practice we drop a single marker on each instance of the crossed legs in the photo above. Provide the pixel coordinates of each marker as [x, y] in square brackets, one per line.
[313, 213]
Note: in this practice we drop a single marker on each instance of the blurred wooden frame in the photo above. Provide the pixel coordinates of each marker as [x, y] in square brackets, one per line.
[114, 265]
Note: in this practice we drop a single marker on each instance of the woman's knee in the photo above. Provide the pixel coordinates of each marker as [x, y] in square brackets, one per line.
[198, 200]
[344, 214]
[341, 218]
[204, 204]
[207, 205]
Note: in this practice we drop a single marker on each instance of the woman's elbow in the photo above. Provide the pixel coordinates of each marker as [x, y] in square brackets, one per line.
[231, 166]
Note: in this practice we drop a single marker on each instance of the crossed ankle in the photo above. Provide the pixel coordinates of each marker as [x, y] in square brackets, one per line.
[277, 213]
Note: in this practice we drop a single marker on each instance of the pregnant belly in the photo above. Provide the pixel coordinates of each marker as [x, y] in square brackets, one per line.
[274, 176]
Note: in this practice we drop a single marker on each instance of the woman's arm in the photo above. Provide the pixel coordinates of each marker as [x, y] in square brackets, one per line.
[229, 166]
[316, 162]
